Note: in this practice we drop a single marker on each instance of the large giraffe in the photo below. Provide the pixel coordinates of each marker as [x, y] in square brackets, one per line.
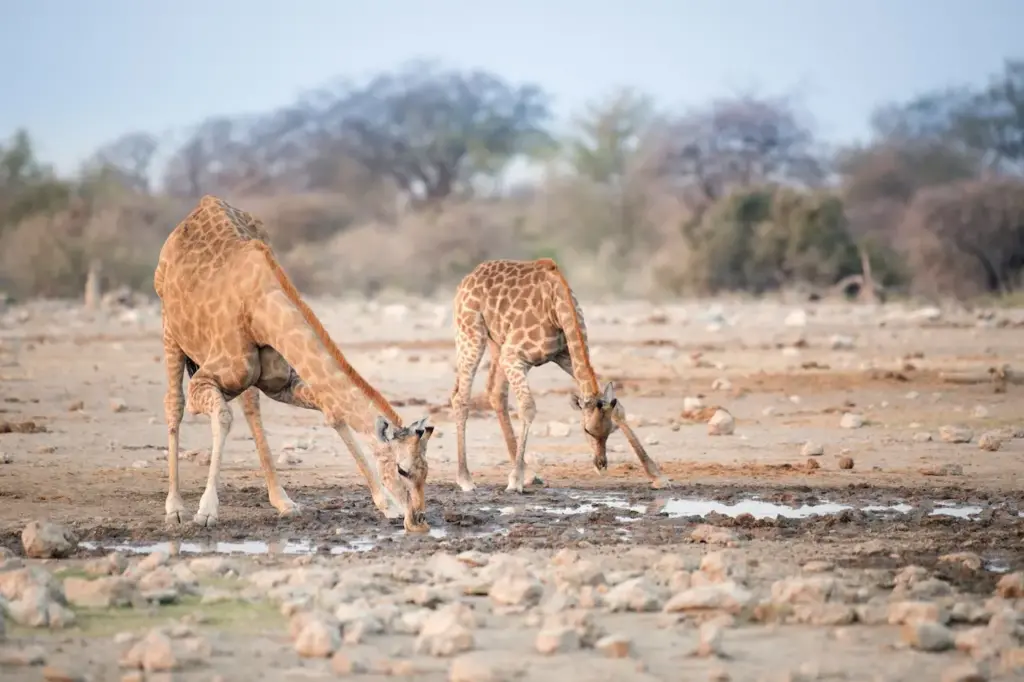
[526, 314]
[232, 316]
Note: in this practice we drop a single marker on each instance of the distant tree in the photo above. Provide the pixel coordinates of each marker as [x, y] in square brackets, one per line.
[432, 131]
[967, 237]
[738, 143]
[607, 134]
[27, 186]
[128, 160]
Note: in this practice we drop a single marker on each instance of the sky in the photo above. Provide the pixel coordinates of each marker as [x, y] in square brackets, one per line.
[77, 74]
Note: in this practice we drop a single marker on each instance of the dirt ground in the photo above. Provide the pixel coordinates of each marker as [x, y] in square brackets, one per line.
[83, 444]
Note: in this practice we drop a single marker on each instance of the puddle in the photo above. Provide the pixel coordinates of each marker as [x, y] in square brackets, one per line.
[674, 508]
[252, 547]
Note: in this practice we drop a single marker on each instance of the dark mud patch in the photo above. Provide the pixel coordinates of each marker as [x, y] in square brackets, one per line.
[21, 427]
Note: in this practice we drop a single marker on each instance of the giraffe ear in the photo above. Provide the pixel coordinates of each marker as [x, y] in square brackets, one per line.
[383, 429]
[608, 397]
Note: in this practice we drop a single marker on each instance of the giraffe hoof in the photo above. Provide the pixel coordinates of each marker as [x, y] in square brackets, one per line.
[205, 520]
[514, 487]
[467, 486]
[174, 518]
[290, 510]
[661, 482]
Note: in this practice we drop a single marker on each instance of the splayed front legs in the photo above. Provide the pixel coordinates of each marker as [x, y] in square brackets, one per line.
[174, 406]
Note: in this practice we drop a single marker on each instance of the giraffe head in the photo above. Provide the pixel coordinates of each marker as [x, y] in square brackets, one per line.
[599, 416]
[402, 457]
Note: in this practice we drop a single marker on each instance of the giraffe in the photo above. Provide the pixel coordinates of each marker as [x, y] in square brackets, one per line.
[526, 315]
[233, 319]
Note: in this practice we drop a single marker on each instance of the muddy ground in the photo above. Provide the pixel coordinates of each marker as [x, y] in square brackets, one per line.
[83, 444]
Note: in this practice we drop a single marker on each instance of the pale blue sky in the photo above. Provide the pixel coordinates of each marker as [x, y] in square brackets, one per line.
[78, 73]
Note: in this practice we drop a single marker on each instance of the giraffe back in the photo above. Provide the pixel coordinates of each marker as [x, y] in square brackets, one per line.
[205, 240]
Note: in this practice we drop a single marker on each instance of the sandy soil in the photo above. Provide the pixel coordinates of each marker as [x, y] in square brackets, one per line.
[83, 443]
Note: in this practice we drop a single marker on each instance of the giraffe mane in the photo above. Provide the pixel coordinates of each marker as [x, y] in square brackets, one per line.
[588, 370]
[379, 401]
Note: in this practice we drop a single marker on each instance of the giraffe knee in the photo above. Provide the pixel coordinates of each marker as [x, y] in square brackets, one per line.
[224, 417]
[174, 407]
[528, 410]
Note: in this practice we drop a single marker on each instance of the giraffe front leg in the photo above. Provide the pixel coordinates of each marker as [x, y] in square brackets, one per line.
[278, 497]
[469, 349]
[205, 397]
[174, 405]
[515, 371]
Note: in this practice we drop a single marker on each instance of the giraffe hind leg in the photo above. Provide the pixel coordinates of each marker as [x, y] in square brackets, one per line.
[278, 497]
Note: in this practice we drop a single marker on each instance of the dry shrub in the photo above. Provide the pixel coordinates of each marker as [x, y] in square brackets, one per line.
[421, 253]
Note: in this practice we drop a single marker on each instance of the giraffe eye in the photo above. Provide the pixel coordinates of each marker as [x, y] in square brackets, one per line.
[402, 472]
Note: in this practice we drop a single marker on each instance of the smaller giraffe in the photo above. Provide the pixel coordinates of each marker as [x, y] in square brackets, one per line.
[233, 319]
[526, 315]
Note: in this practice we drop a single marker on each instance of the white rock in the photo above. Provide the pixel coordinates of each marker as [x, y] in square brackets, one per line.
[721, 423]
[46, 540]
[851, 420]
[796, 318]
[812, 449]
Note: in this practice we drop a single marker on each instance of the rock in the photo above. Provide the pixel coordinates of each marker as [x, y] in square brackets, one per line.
[812, 449]
[931, 637]
[212, 565]
[721, 423]
[485, 666]
[36, 607]
[516, 589]
[637, 594]
[721, 384]
[818, 566]
[990, 441]
[579, 620]
[728, 597]
[851, 420]
[52, 673]
[112, 564]
[709, 641]
[155, 653]
[951, 433]
[615, 646]
[803, 590]
[445, 566]
[317, 639]
[46, 540]
[444, 633]
[979, 412]
[557, 641]
[118, 405]
[915, 612]
[711, 535]
[1011, 586]
[692, 404]
[343, 664]
[580, 573]
[840, 342]
[99, 593]
[796, 318]
[922, 437]
[559, 429]
[846, 463]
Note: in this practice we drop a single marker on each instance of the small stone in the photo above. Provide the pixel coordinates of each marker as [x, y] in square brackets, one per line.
[951, 433]
[559, 640]
[52, 673]
[922, 437]
[812, 449]
[990, 441]
[721, 384]
[721, 423]
[637, 595]
[317, 639]
[615, 646]
[1011, 586]
[711, 535]
[45, 540]
[343, 664]
[979, 412]
[559, 429]
[968, 560]
[485, 666]
[931, 637]
[812, 464]
[514, 589]
[444, 633]
[914, 612]
[99, 593]
[818, 566]
[728, 597]
[118, 405]
[846, 462]
[710, 639]
[851, 420]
